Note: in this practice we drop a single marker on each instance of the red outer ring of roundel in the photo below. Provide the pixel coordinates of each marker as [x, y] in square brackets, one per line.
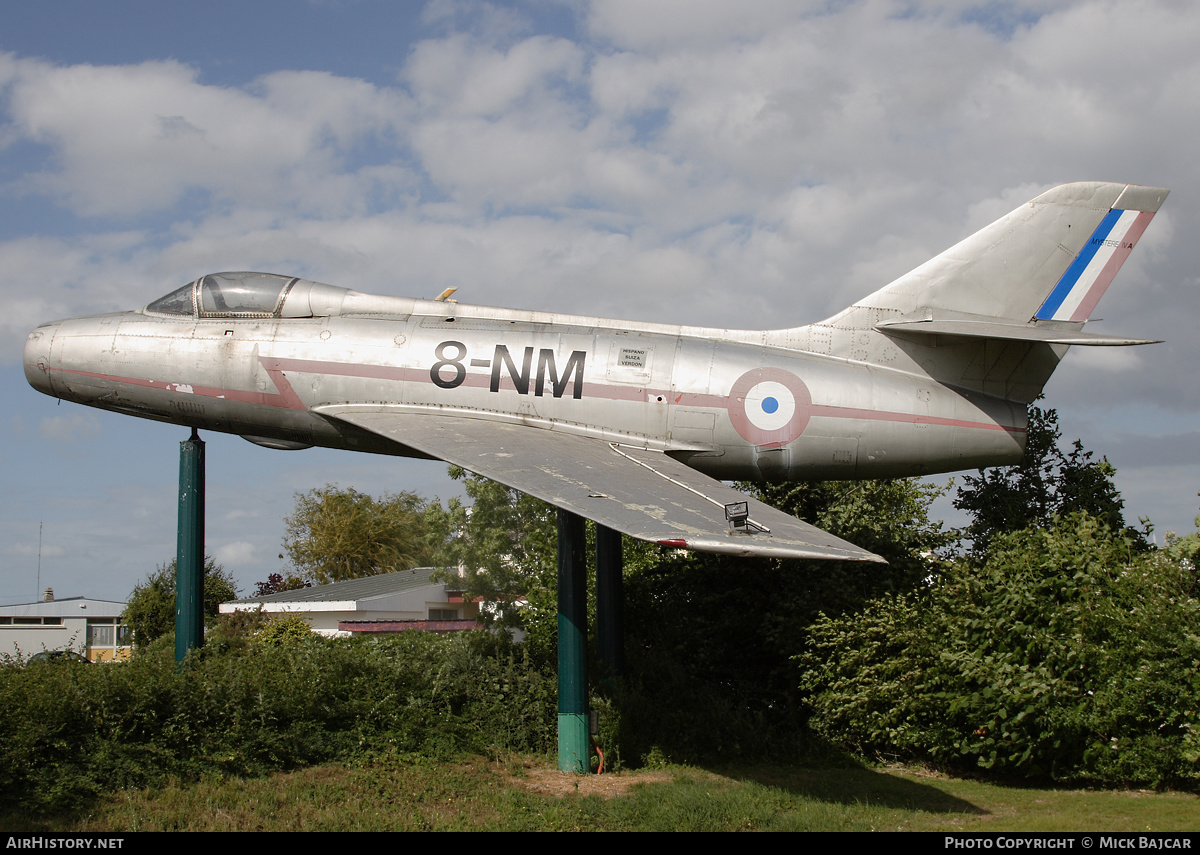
[736, 405]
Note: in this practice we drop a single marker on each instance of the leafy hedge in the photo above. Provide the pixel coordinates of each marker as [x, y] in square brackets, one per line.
[1068, 654]
[69, 733]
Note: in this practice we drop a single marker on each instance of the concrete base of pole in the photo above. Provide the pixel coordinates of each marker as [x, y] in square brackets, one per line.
[573, 733]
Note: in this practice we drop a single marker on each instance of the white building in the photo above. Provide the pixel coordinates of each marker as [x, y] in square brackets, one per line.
[91, 628]
[390, 602]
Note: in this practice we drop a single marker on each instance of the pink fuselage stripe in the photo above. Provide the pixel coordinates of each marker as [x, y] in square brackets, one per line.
[265, 398]
[907, 418]
[286, 398]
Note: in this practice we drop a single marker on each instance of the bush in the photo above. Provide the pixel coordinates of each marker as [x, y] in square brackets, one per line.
[710, 642]
[1067, 655]
[284, 630]
[70, 734]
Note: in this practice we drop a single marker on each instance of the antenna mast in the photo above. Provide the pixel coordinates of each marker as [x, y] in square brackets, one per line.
[38, 593]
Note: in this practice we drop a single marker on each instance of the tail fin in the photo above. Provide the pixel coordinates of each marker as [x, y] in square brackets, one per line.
[1051, 259]
[1000, 304]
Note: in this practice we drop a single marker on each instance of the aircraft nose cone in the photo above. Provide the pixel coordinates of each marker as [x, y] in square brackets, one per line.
[37, 357]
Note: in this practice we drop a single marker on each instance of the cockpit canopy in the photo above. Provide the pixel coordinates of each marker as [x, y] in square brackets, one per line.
[228, 295]
[269, 295]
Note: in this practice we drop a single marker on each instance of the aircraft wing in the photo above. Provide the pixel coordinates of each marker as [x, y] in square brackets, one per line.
[642, 493]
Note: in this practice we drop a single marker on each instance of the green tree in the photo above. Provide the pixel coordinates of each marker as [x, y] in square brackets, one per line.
[277, 583]
[1184, 550]
[150, 612]
[1067, 653]
[507, 545]
[1045, 485]
[890, 517]
[710, 638]
[336, 534]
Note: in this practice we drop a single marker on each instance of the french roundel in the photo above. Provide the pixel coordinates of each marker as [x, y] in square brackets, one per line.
[769, 406]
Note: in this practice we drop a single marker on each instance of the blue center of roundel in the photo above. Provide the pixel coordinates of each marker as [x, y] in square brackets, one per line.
[770, 405]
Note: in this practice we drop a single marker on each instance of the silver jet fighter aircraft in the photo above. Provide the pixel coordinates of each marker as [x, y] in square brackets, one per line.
[633, 425]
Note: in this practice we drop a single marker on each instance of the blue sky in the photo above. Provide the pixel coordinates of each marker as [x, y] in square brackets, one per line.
[752, 164]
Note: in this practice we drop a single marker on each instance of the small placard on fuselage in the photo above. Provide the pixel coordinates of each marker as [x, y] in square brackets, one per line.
[632, 357]
[630, 363]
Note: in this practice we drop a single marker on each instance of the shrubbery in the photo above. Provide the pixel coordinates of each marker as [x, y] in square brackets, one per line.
[710, 638]
[1067, 654]
[73, 732]
[1060, 645]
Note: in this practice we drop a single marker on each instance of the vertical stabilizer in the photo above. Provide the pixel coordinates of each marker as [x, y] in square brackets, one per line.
[996, 312]
[1053, 256]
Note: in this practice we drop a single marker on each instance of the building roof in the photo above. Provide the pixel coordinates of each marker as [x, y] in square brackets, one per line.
[353, 590]
[83, 607]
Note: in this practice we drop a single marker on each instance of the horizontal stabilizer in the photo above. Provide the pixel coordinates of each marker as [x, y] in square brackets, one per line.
[1000, 329]
[642, 493]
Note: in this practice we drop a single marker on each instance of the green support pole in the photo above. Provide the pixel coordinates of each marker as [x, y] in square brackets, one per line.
[610, 600]
[573, 750]
[189, 553]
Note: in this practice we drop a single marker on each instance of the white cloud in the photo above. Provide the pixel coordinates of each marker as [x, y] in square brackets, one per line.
[136, 138]
[460, 76]
[1109, 360]
[489, 22]
[811, 154]
[667, 24]
[73, 427]
[237, 554]
[47, 278]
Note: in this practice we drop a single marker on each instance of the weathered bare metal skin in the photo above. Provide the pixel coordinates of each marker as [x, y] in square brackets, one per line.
[217, 375]
[932, 373]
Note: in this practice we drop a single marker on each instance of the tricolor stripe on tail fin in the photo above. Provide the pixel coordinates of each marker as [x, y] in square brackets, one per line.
[1085, 281]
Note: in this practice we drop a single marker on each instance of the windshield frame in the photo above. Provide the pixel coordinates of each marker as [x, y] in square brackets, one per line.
[211, 296]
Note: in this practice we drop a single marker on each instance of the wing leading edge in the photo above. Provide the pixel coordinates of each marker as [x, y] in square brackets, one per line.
[644, 494]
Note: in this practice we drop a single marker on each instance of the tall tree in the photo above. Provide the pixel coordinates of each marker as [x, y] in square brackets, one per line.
[507, 545]
[277, 583]
[888, 516]
[336, 534]
[150, 612]
[711, 637]
[1046, 484]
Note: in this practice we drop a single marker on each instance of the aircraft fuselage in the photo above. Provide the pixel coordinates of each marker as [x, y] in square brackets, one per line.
[723, 401]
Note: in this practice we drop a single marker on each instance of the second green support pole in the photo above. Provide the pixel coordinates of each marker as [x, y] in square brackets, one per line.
[189, 553]
[573, 749]
[610, 603]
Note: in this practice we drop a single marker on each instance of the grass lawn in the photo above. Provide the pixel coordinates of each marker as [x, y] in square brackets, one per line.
[522, 794]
